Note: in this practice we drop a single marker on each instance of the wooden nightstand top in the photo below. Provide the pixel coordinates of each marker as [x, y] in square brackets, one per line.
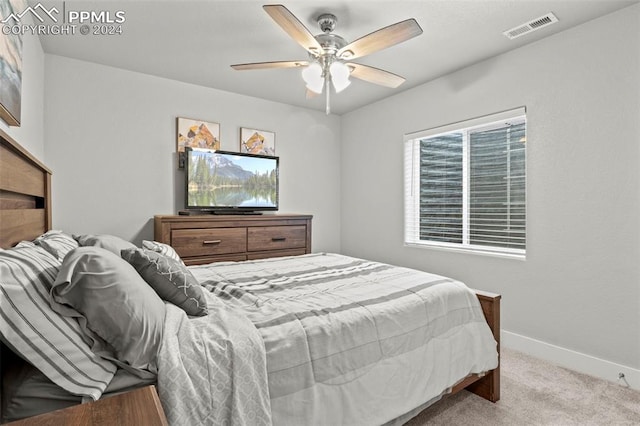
[140, 407]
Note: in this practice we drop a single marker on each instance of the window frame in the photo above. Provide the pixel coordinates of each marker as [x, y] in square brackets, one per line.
[412, 184]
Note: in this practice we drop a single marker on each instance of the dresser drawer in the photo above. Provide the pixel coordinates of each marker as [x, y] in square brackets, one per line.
[212, 241]
[276, 237]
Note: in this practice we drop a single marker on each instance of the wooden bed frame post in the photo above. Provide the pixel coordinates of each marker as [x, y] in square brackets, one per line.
[488, 387]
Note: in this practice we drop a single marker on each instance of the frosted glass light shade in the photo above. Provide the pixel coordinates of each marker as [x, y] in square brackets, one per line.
[312, 75]
[339, 76]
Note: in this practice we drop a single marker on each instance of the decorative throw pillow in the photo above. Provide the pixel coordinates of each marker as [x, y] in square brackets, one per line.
[164, 249]
[169, 278]
[57, 243]
[109, 242]
[54, 344]
[114, 305]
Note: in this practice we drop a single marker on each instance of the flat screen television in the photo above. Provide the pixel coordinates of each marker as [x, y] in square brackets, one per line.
[230, 182]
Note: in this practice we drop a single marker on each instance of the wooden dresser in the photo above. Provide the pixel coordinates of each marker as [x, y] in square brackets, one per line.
[211, 238]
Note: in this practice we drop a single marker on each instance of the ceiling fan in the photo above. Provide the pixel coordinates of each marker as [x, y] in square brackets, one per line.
[330, 55]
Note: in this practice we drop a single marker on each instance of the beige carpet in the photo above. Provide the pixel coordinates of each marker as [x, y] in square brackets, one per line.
[535, 392]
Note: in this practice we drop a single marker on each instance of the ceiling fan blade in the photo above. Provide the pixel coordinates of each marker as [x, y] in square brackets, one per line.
[381, 39]
[292, 26]
[311, 94]
[269, 65]
[375, 75]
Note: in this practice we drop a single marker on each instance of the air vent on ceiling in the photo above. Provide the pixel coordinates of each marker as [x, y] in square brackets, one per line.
[534, 24]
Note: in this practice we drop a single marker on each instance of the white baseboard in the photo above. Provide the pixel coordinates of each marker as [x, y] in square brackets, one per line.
[572, 360]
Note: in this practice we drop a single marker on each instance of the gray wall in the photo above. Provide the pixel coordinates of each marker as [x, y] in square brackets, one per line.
[579, 287]
[111, 142]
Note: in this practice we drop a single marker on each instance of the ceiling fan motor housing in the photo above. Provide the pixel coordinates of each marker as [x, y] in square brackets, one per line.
[331, 43]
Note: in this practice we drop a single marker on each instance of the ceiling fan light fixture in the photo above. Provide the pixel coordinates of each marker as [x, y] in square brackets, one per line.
[341, 86]
[312, 75]
[339, 76]
[316, 88]
[328, 52]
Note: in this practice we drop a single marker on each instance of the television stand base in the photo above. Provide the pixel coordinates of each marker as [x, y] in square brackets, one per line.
[240, 213]
[217, 212]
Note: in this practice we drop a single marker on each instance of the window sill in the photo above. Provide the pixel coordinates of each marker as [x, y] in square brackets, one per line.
[469, 250]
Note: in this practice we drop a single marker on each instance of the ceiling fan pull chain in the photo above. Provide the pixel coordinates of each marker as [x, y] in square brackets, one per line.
[327, 88]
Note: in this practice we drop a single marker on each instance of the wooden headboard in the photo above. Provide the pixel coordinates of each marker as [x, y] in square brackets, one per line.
[25, 194]
[25, 205]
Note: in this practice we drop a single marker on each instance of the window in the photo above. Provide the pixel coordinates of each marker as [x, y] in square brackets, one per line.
[465, 185]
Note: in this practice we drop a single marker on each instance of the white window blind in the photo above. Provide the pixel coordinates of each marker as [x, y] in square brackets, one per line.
[465, 185]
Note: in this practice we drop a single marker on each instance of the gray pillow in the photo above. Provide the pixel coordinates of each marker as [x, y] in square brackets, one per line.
[109, 242]
[118, 310]
[169, 278]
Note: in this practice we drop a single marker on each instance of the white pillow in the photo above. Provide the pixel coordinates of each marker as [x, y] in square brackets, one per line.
[57, 243]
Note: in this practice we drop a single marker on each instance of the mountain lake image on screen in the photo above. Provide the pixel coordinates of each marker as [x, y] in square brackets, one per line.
[223, 180]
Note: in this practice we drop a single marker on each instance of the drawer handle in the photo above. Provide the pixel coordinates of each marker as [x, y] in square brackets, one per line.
[275, 239]
[211, 241]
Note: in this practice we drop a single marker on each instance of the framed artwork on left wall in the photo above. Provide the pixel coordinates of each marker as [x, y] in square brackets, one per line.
[11, 64]
[196, 134]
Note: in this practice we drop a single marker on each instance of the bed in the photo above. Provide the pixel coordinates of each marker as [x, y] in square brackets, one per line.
[312, 319]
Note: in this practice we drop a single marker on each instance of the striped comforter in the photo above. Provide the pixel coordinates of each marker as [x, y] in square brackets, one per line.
[343, 334]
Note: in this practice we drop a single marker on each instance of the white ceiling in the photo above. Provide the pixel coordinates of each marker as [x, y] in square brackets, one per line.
[197, 41]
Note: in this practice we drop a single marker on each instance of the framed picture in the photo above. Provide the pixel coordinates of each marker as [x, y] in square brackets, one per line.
[11, 66]
[197, 134]
[254, 141]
